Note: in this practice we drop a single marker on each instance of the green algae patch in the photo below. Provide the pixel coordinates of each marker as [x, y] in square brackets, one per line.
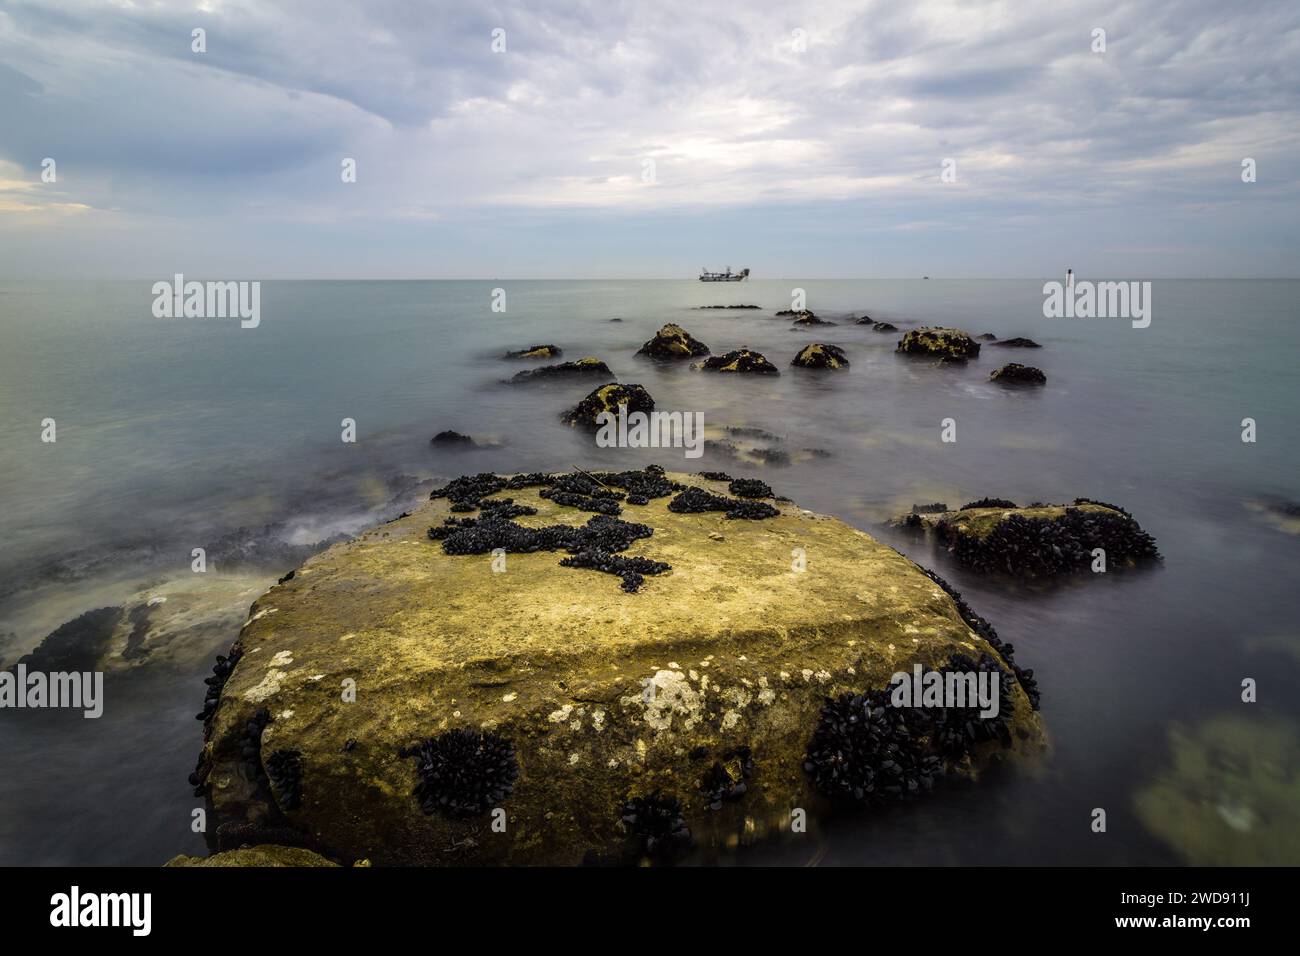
[1230, 795]
[576, 695]
[258, 856]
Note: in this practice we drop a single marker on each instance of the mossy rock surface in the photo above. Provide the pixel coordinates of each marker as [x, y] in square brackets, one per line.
[586, 366]
[821, 356]
[608, 398]
[601, 694]
[1013, 373]
[739, 361]
[536, 352]
[673, 342]
[264, 855]
[950, 345]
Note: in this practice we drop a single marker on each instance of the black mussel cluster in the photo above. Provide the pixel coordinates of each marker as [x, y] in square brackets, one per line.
[750, 488]
[714, 475]
[1046, 547]
[725, 779]
[250, 744]
[867, 751]
[505, 508]
[697, 500]
[605, 503]
[1006, 650]
[656, 825]
[467, 491]
[864, 752]
[221, 671]
[988, 503]
[463, 773]
[631, 570]
[937, 507]
[284, 770]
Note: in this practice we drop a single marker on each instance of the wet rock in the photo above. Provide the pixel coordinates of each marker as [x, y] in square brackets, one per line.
[986, 503]
[451, 439]
[673, 342]
[987, 337]
[937, 507]
[949, 345]
[1015, 374]
[821, 356]
[741, 360]
[726, 307]
[885, 327]
[1017, 343]
[75, 645]
[807, 319]
[536, 352]
[1040, 541]
[608, 398]
[601, 695]
[583, 367]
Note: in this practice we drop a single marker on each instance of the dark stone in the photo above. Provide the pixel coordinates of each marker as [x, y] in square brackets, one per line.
[1017, 343]
[741, 360]
[673, 342]
[948, 345]
[885, 327]
[608, 398]
[1016, 374]
[451, 439]
[590, 365]
[536, 352]
[821, 356]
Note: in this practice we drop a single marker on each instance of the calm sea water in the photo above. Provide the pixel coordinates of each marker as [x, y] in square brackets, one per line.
[172, 433]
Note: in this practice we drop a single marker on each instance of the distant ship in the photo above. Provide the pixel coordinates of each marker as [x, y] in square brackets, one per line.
[728, 276]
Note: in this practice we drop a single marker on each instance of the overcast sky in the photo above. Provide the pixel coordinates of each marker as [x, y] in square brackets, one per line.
[798, 139]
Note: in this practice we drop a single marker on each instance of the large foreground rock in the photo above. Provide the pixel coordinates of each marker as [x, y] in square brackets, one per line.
[602, 723]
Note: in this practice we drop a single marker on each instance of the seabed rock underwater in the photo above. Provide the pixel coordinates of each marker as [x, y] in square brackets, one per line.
[1038, 541]
[603, 724]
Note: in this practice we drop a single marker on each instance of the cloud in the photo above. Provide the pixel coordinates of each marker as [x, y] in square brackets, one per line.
[633, 109]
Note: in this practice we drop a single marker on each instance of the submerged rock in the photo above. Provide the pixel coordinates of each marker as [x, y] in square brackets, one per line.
[987, 337]
[1015, 374]
[1038, 541]
[603, 724]
[741, 360]
[673, 342]
[608, 398]
[1230, 795]
[1017, 343]
[819, 355]
[726, 307]
[536, 352]
[588, 365]
[451, 439]
[807, 318]
[950, 345]
[885, 327]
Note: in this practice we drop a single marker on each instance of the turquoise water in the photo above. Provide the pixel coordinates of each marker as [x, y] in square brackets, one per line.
[172, 433]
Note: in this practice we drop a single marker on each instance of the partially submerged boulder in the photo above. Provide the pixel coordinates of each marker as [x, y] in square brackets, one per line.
[821, 356]
[586, 366]
[443, 706]
[885, 327]
[1017, 343]
[673, 342]
[740, 360]
[536, 352]
[949, 345]
[608, 398]
[987, 337]
[1037, 541]
[1014, 373]
[451, 439]
[807, 318]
